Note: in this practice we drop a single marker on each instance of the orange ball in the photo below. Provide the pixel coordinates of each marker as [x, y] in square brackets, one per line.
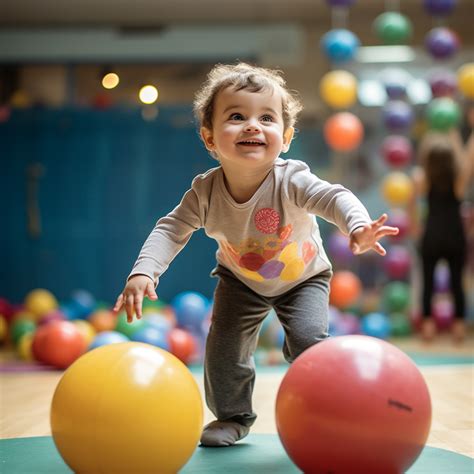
[343, 131]
[103, 320]
[345, 289]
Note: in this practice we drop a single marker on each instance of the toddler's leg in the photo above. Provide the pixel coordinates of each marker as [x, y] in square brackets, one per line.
[303, 312]
[229, 370]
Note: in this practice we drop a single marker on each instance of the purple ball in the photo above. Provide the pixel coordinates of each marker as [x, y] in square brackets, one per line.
[338, 247]
[340, 3]
[443, 83]
[441, 42]
[395, 81]
[397, 115]
[397, 262]
[439, 7]
[442, 279]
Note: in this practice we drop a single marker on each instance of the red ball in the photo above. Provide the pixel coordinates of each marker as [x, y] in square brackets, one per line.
[397, 262]
[399, 218]
[58, 343]
[353, 404]
[183, 345]
[397, 151]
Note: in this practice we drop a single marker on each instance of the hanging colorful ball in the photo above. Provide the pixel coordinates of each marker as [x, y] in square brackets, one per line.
[397, 188]
[466, 80]
[443, 83]
[397, 151]
[399, 218]
[396, 296]
[393, 28]
[343, 131]
[338, 89]
[340, 45]
[397, 262]
[439, 7]
[441, 42]
[397, 116]
[338, 248]
[395, 80]
[443, 114]
[345, 289]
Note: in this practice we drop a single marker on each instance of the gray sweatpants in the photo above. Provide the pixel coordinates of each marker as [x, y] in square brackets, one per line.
[238, 312]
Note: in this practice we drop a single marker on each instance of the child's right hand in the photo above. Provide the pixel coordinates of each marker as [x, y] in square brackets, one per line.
[132, 296]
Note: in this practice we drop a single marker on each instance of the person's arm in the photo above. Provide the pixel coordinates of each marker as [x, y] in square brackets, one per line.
[338, 205]
[170, 234]
[419, 189]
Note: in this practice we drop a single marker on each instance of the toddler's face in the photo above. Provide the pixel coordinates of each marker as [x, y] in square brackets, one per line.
[248, 127]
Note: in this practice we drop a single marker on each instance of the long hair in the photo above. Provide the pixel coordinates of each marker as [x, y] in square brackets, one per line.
[439, 162]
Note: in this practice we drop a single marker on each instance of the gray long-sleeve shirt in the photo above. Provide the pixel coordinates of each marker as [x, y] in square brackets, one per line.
[271, 242]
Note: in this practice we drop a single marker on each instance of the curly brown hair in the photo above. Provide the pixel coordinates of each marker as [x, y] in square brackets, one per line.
[243, 76]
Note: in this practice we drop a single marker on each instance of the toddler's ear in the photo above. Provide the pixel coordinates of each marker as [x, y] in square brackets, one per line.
[287, 137]
[207, 138]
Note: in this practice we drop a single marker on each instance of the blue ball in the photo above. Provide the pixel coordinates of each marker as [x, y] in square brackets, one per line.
[107, 337]
[376, 325]
[340, 45]
[191, 309]
[151, 335]
[83, 302]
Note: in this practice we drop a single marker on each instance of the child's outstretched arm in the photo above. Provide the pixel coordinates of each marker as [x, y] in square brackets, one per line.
[367, 237]
[131, 298]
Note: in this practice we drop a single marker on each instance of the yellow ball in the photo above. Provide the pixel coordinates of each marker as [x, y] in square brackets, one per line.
[39, 302]
[24, 348]
[466, 80]
[127, 407]
[86, 329]
[397, 188]
[338, 89]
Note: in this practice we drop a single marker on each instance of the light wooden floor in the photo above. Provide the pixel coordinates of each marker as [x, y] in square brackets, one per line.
[25, 399]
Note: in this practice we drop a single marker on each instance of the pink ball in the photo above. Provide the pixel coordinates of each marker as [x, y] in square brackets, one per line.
[399, 218]
[397, 262]
[443, 312]
[397, 151]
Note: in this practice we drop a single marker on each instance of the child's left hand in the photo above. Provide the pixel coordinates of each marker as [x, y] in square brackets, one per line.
[367, 237]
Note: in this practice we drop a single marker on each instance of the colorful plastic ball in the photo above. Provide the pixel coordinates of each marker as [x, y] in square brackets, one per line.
[103, 320]
[340, 3]
[443, 83]
[24, 347]
[397, 151]
[397, 262]
[397, 116]
[338, 248]
[348, 323]
[183, 345]
[19, 327]
[340, 45]
[107, 337]
[58, 344]
[86, 329]
[127, 407]
[439, 7]
[397, 188]
[345, 289]
[338, 89]
[191, 309]
[396, 296]
[375, 325]
[400, 324]
[151, 335]
[393, 28]
[443, 114]
[370, 413]
[40, 301]
[159, 321]
[395, 80]
[343, 131]
[55, 315]
[442, 278]
[441, 42]
[399, 218]
[466, 80]
[126, 328]
[443, 312]
[84, 303]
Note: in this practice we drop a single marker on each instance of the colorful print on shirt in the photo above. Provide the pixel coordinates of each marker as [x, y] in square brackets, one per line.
[274, 255]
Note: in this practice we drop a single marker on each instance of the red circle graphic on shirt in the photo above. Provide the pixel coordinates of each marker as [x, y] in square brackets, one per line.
[267, 220]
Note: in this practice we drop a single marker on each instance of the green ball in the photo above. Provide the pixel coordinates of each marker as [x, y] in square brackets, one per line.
[396, 297]
[401, 325]
[393, 28]
[21, 327]
[443, 114]
[128, 329]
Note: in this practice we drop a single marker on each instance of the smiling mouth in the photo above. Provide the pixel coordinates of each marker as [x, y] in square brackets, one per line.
[251, 143]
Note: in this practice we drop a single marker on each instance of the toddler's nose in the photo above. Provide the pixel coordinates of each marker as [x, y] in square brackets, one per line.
[252, 126]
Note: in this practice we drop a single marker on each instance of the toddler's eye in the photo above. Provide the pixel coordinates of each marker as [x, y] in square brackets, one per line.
[267, 118]
[236, 116]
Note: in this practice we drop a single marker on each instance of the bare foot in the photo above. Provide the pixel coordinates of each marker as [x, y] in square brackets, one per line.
[458, 331]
